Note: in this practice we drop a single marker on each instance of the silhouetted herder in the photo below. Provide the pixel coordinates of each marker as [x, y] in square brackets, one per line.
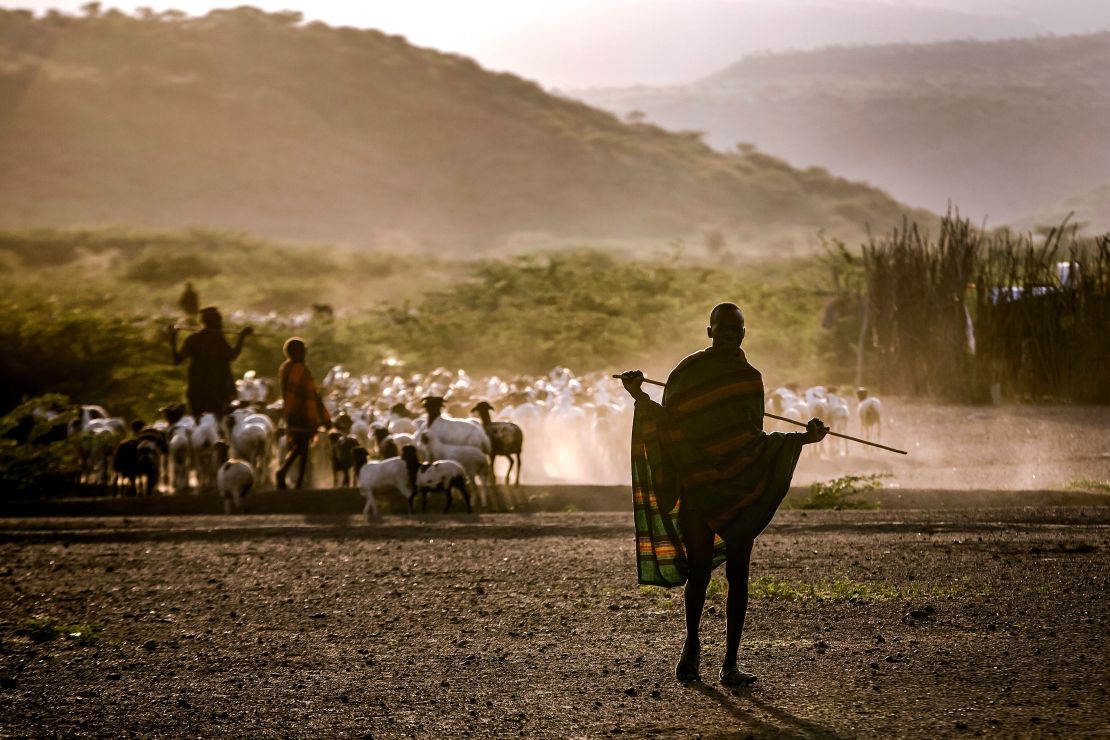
[707, 479]
[210, 384]
[303, 408]
[189, 302]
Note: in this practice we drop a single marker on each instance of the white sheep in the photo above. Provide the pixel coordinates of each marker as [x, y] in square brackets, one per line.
[780, 399]
[839, 415]
[251, 388]
[398, 420]
[252, 438]
[786, 403]
[181, 452]
[473, 460]
[87, 413]
[97, 436]
[439, 476]
[234, 478]
[452, 431]
[390, 445]
[361, 420]
[870, 413]
[817, 400]
[202, 440]
[798, 407]
[817, 406]
[382, 476]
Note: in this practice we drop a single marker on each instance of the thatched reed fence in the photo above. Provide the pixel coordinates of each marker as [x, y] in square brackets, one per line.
[988, 316]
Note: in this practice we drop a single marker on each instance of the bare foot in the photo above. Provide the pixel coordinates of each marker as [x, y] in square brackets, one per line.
[690, 662]
[733, 676]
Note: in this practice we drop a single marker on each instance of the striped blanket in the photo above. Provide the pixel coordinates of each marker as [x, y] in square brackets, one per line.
[304, 409]
[704, 447]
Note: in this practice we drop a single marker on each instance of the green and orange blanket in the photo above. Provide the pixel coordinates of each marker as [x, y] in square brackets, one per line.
[704, 447]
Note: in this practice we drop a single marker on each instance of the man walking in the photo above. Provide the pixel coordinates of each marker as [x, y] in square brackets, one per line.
[303, 408]
[707, 480]
[189, 302]
[210, 385]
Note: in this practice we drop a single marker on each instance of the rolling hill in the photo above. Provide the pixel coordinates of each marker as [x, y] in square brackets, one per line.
[1002, 128]
[257, 121]
[648, 42]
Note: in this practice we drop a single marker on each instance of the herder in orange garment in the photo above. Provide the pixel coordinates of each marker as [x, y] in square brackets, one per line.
[303, 408]
[707, 479]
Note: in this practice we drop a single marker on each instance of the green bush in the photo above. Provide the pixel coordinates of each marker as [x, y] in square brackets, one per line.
[591, 310]
[840, 493]
[170, 269]
[35, 454]
[83, 353]
[85, 330]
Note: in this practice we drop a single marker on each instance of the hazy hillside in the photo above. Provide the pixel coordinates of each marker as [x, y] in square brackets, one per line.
[1002, 128]
[648, 42]
[247, 120]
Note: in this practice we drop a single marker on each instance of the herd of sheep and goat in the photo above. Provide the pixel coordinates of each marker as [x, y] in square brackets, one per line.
[570, 429]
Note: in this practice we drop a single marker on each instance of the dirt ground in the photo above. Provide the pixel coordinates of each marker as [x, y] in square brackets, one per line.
[940, 622]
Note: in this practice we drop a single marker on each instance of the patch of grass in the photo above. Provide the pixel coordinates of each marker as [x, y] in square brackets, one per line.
[1089, 485]
[841, 589]
[655, 592]
[46, 629]
[840, 493]
[836, 589]
[718, 588]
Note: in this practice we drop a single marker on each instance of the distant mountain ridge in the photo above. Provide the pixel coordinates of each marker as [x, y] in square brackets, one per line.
[1001, 128]
[254, 121]
[661, 42]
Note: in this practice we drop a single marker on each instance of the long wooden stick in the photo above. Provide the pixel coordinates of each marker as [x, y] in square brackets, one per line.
[228, 332]
[838, 434]
[800, 424]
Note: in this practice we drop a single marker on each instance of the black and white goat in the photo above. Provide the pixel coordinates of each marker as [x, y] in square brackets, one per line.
[474, 461]
[439, 476]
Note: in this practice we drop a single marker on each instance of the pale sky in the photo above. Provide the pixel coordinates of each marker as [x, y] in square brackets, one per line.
[571, 44]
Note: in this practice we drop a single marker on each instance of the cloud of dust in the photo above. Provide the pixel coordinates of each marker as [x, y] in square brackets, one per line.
[954, 447]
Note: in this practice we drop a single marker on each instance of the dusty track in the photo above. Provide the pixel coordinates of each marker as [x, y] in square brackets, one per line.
[506, 624]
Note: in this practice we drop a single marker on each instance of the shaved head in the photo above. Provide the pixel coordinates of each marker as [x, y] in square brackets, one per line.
[720, 308]
[726, 327]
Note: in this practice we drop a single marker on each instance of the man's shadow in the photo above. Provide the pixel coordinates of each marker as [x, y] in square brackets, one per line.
[785, 723]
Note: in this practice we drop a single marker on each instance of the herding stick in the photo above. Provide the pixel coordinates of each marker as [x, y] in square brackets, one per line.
[800, 424]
